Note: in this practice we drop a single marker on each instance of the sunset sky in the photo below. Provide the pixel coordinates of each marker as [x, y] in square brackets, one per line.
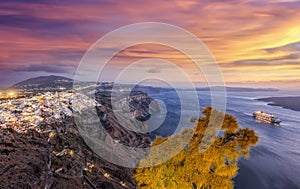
[252, 40]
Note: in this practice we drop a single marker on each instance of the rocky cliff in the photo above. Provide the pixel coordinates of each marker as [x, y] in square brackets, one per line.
[59, 158]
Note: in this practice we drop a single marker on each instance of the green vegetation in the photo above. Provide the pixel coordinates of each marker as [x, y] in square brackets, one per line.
[213, 168]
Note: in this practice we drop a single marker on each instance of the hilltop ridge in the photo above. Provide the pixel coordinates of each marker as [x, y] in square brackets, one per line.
[52, 81]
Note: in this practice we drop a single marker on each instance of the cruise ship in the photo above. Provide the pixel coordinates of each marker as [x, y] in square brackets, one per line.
[265, 117]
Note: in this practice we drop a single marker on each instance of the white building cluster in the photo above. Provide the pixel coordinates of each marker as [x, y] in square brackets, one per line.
[30, 112]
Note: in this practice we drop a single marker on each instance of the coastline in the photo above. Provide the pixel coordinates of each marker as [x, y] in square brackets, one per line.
[289, 102]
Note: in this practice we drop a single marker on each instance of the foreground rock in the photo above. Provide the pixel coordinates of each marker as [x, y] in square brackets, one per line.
[53, 160]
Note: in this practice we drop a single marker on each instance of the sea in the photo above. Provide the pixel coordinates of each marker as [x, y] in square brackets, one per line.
[274, 163]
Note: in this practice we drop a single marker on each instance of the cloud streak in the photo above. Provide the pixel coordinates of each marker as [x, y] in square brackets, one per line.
[246, 37]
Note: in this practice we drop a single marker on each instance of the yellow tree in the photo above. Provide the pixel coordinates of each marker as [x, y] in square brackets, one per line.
[213, 168]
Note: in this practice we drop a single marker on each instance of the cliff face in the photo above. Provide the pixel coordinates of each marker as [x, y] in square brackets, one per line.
[139, 109]
[35, 160]
[61, 159]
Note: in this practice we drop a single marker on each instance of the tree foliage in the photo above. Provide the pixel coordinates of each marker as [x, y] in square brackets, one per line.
[213, 168]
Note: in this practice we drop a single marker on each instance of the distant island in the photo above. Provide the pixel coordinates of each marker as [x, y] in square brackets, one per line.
[239, 89]
[289, 102]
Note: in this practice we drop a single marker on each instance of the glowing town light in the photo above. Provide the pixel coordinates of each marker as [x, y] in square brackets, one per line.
[11, 94]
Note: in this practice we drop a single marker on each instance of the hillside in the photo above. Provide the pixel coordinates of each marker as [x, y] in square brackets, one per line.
[36, 160]
[51, 81]
[58, 157]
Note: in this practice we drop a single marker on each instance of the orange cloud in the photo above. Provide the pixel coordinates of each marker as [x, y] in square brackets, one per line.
[239, 33]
